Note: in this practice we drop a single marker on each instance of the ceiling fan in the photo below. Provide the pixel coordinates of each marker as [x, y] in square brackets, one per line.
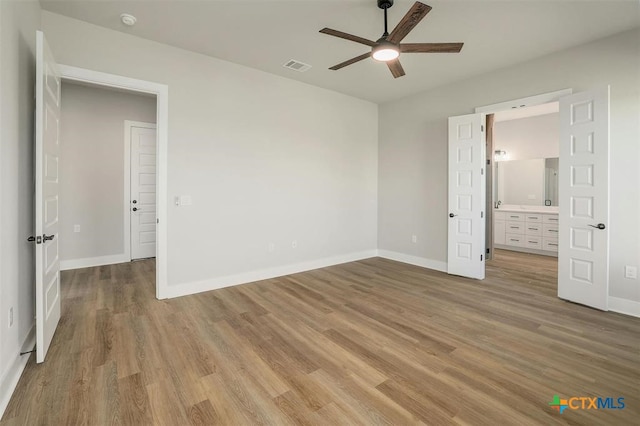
[388, 47]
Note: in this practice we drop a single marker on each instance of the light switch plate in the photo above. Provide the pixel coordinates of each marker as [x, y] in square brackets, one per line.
[185, 200]
[631, 272]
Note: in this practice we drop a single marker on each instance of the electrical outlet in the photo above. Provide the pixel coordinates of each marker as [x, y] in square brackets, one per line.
[294, 244]
[76, 228]
[10, 316]
[631, 272]
[272, 247]
[414, 239]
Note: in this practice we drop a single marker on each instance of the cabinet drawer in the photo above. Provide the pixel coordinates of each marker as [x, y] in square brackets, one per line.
[533, 242]
[550, 218]
[514, 240]
[499, 215]
[514, 216]
[549, 244]
[550, 231]
[515, 227]
[533, 229]
[533, 218]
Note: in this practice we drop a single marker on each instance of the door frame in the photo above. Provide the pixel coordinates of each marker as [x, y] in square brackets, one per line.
[161, 91]
[485, 110]
[128, 125]
[540, 99]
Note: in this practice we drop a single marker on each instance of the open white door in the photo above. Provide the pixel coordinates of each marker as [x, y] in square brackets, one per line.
[46, 215]
[467, 192]
[583, 253]
[143, 191]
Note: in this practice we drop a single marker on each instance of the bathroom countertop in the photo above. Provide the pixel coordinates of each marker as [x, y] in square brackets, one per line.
[527, 209]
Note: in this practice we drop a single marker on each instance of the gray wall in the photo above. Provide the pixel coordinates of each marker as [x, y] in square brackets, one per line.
[527, 138]
[18, 24]
[413, 147]
[92, 168]
[264, 158]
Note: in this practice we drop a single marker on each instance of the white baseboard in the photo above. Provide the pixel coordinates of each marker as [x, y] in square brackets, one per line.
[12, 374]
[624, 306]
[414, 260]
[188, 288]
[89, 262]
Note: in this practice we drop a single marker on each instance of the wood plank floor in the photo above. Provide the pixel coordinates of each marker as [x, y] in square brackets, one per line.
[369, 342]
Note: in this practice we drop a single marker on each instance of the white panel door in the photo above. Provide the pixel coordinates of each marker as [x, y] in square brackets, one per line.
[467, 192]
[143, 192]
[46, 202]
[583, 254]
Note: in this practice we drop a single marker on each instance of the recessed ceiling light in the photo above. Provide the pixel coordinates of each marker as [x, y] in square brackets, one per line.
[128, 20]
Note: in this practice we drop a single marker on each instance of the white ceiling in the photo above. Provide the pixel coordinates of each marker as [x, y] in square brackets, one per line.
[264, 34]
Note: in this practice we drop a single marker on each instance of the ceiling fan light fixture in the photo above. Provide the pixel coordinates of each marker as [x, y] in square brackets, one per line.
[388, 47]
[385, 52]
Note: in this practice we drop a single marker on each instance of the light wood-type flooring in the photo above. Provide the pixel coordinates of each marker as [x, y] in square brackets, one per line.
[368, 342]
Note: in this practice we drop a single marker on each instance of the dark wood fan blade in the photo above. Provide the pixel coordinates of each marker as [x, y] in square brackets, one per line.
[395, 68]
[351, 61]
[431, 47]
[347, 36]
[410, 20]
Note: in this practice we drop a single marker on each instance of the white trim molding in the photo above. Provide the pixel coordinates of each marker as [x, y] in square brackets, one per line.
[524, 102]
[161, 91]
[88, 262]
[9, 381]
[193, 287]
[436, 265]
[624, 306]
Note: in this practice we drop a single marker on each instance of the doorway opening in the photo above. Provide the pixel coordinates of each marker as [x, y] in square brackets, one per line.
[117, 83]
[107, 176]
[522, 189]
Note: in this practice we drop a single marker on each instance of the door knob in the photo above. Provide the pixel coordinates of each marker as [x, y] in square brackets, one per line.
[452, 215]
[46, 237]
[598, 226]
[135, 209]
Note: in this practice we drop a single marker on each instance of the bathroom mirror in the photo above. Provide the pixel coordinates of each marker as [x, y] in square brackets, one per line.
[527, 182]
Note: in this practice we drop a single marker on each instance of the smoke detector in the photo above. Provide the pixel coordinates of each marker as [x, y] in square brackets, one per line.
[128, 20]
